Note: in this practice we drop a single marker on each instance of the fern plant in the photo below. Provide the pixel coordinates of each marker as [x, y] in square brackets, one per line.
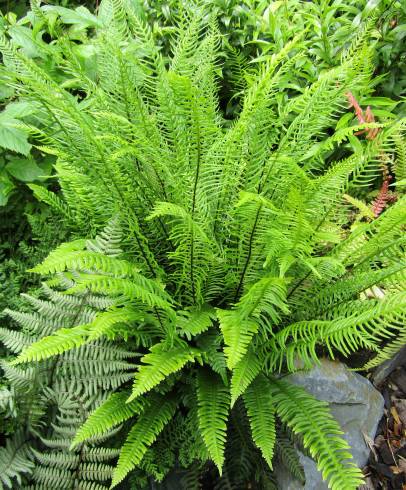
[50, 401]
[237, 263]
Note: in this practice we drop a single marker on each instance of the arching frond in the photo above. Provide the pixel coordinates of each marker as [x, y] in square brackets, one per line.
[243, 374]
[153, 419]
[159, 363]
[321, 434]
[112, 412]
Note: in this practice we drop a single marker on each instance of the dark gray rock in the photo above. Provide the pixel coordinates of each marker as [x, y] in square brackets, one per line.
[356, 405]
[386, 368]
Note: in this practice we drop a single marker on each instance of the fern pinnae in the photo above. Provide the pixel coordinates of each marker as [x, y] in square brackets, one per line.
[243, 374]
[213, 406]
[321, 434]
[112, 412]
[261, 414]
[249, 235]
[158, 364]
[151, 422]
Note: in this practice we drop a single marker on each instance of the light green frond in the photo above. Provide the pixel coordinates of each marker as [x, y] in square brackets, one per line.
[53, 200]
[400, 162]
[196, 321]
[261, 414]
[68, 338]
[112, 412]
[50, 264]
[243, 374]
[320, 432]
[85, 261]
[265, 298]
[158, 364]
[213, 406]
[62, 340]
[389, 351]
[378, 320]
[365, 211]
[140, 288]
[158, 413]
[237, 331]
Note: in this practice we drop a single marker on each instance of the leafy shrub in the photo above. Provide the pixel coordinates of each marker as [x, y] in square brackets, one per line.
[251, 30]
[236, 263]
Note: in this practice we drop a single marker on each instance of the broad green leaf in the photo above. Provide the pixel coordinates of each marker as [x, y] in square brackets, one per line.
[14, 139]
[23, 37]
[6, 186]
[80, 16]
[17, 110]
[24, 169]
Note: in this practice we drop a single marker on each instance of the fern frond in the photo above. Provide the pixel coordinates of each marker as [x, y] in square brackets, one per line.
[321, 434]
[140, 289]
[287, 454]
[388, 352]
[237, 331]
[157, 414]
[112, 412]
[261, 414]
[196, 321]
[380, 319]
[213, 406]
[14, 340]
[158, 364]
[265, 298]
[68, 338]
[85, 261]
[243, 374]
[15, 461]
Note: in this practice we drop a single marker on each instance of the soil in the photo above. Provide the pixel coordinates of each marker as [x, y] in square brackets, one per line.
[386, 468]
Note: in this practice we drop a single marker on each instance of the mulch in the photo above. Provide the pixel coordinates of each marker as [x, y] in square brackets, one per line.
[386, 468]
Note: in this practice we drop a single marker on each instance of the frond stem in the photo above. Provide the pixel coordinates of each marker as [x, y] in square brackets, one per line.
[252, 235]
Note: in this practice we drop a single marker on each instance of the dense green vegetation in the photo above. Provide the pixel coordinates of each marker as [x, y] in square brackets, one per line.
[210, 193]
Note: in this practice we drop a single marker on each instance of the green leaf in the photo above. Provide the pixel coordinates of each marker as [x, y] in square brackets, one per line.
[14, 139]
[213, 405]
[80, 16]
[261, 414]
[23, 37]
[6, 187]
[24, 169]
[17, 110]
